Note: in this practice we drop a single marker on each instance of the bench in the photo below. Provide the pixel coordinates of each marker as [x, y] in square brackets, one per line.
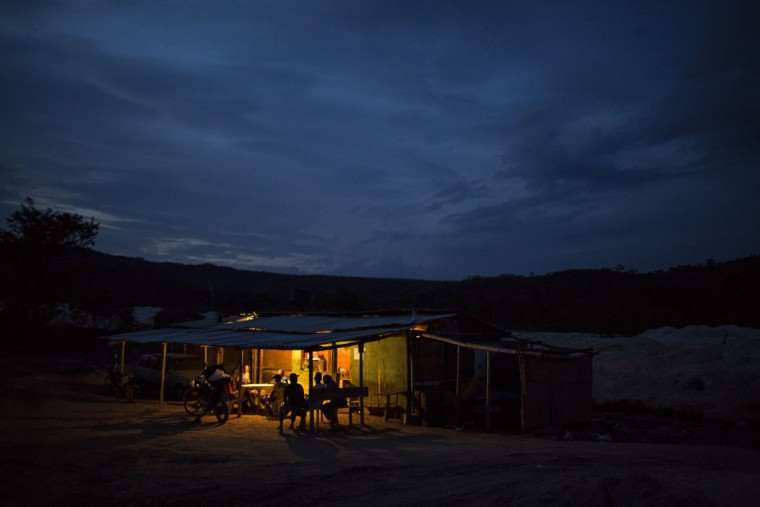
[352, 395]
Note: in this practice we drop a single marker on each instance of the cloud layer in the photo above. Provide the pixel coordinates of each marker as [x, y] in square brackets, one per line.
[414, 139]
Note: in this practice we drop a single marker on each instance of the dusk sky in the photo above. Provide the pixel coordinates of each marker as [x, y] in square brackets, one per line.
[427, 140]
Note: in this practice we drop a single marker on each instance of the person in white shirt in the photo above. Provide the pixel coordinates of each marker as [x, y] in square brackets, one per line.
[277, 396]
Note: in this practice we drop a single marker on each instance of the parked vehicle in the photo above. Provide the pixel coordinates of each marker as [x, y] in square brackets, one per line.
[194, 398]
[211, 392]
[180, 371]
[118, 382]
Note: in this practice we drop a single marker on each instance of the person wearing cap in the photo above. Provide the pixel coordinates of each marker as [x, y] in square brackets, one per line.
[294, 403]
[278, 393]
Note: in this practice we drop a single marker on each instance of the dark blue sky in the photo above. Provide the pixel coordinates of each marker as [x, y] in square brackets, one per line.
[433, 140]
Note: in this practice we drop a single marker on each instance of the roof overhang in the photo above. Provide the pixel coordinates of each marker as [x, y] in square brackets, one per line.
[285, 332]
[515, 346]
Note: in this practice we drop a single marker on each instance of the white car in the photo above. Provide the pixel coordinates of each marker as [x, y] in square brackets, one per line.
[181, 369]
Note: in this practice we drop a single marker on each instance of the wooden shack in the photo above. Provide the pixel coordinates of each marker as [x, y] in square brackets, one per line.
[421, 367]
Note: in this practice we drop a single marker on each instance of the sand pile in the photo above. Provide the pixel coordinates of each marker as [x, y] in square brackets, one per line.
[699, 369]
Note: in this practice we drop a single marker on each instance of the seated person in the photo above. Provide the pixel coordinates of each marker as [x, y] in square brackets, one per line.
[318, 381]
[330, 409]
[214, 372]
[218, 374]
[248, 396]
[319, 385]
[294, 403]
[276, 397]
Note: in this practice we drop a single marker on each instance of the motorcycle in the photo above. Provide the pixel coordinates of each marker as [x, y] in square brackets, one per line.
[209, 396]
[194, 398]
[119, 383]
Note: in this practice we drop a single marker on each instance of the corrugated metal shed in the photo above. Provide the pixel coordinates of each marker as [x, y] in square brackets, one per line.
[285, 332]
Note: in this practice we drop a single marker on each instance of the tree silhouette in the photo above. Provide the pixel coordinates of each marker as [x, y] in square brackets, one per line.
[31, 248]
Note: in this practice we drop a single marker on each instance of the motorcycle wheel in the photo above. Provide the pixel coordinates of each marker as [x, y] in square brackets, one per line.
[194, 403]
[222, 411]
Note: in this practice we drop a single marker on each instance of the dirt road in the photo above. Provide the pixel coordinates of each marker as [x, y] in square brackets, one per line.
[64, 441]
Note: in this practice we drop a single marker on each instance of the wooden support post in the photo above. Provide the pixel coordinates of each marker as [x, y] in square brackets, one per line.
[334, 364]
[311, 386]
[240, 383]
[409, 375]
[459, 370]
[163, 374]
[488, 390]
[523, 389]
[361, 382]
[255, 366]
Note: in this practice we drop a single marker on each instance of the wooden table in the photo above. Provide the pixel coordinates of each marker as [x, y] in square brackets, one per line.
[319, 396]
[388, 402]
[257, 387]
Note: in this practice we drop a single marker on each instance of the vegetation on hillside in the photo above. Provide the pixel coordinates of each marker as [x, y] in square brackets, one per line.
[47, 261]
[609, 301]
[35, 277]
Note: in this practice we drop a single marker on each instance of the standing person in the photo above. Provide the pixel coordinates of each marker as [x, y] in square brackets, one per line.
[330, 409]
[294, 403]
[278, 393]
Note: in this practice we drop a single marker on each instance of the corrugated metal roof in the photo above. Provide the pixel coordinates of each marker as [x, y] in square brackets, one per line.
[317, 323]
[283, 332]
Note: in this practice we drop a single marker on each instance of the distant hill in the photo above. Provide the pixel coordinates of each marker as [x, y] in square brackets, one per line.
[589, 300]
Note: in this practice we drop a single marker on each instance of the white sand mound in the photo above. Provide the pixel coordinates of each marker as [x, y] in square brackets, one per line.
[712, 370]
[144, 314]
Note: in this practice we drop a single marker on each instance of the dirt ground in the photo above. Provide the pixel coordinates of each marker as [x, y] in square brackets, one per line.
[65, 441]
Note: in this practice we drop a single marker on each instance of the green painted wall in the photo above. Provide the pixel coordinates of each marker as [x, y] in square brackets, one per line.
[384, 365]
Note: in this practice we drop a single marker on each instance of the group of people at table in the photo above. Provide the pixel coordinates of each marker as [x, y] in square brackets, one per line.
[288, 399]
